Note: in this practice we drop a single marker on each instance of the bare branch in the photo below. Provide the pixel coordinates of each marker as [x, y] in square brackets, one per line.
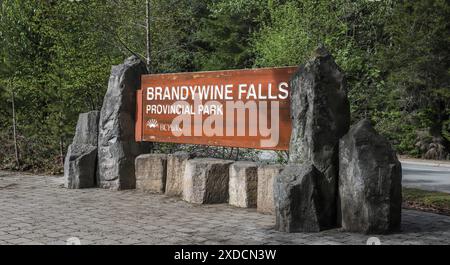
[128, 48]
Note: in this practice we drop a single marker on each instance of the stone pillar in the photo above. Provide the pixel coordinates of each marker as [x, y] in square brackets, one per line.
[206, 181]
[117, 148]
[80, 162]
[243, 184]
[320, 115]
[370, 183]
[176, 165]
[151, 171]
[265, 197]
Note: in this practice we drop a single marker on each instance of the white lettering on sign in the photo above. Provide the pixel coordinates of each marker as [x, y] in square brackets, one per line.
[217, 92]
[214, 124]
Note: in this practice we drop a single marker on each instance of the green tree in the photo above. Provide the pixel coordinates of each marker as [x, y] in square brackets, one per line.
[416, 62]
[26, 61]
[224, 35]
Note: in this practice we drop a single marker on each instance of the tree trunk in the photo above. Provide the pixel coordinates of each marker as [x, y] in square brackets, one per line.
[148, 35]
[436, 131]
[16, 147]
[61, 151]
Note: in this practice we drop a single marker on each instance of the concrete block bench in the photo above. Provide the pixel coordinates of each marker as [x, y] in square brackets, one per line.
[151, 171]
[243, 184]
[266, 174]
[176, 164]
[206, 180]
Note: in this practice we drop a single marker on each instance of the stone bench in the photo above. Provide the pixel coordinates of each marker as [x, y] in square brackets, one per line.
[176, 164]
[151, 172]
[266, 174]
[243, 184]
[206, 181]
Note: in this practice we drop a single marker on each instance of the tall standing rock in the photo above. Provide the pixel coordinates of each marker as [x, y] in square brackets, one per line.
[320, 114]
[370, 181]
[80, 163]
[117, 148]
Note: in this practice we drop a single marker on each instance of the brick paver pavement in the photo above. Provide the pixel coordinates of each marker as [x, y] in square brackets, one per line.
[38, 210]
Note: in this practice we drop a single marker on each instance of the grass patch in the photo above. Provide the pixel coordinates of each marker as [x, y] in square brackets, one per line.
[430, 201]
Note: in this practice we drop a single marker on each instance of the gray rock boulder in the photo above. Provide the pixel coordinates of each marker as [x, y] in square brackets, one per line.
[370, 181]
[87, 129]
[320, 115]
[81, 158]
[299, 206]
[79, 167]
[117, 148]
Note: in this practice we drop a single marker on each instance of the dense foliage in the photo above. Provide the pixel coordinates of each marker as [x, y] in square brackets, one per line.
[55, 57]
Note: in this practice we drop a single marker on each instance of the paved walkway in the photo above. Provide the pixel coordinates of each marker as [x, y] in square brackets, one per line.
[37, 210]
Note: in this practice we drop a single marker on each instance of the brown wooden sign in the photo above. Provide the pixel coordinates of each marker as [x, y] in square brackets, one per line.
[236, 108]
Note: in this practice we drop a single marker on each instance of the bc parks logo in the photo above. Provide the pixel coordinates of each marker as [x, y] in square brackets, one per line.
[153, 124]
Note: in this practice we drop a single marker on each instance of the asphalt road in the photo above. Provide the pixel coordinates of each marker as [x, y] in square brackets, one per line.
[426, 176]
